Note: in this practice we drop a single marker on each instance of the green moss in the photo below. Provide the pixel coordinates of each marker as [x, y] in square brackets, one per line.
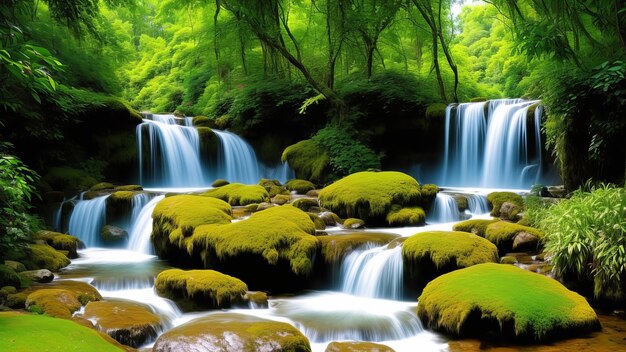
[461, 202]
[16, 300]
[28, 332]
[305, 203]
[411, 216]
[101, 186]
[475, 226]
[135, 188]
[281, 199]
[252, 333]
[511, 300]
[60, 241]
[353, 223]
[308, 161]
[266, 183]
[210, 287]
[219, 183]
[277, 233]
[300, 186]
[45, 257]
[8, 276]
[319, 223]
[370, 195]
[54, 302]
[443, 248]
[239, 194]
[273, 187]
[496, 199]
[175, 218]
[436, 111]
[503, 233]
[17, 266]
[508, 260]
[357, 346]
[203, 121]
[69, 179]
[335, 247]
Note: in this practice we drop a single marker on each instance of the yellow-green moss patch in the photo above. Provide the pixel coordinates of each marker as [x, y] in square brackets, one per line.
[308, 161]
[101, 186]
[370, 195]
[283, 232]
[219, 183]
[506, 301]
[209, 288]
[54, 302]
[60, 241]
[475, 226]
[135, 188]
[305, 203]
[247, 332]
[410, 216]
[496, 199]
[239, 194]
[29, 332]
[357, 346]
[300, 186]
[336, 247]
[43, 256]
[463, 249]
[503, 234]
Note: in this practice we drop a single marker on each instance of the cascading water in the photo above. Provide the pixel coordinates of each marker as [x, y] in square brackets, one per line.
[138, 201]
[445, 209]
[142, 228]
[87, 220]
[173, 153]
[477, 204]
[492, 150]
[236, 159]
[57, 217]
[382, 268]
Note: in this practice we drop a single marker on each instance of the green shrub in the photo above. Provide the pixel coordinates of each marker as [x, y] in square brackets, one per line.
[586, 238]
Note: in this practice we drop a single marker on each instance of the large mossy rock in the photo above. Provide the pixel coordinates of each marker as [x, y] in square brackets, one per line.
[43, 256]
[200, 289]
[496, 199]
[409, 216]
[371, 195]
[60, 298]
[175, 219]
[61, 242]
[475, 226]
[300, 186]
[130, 323]
[265, 248]
[308, 161]
[239, 194]
[32, 332]
[428, 255]
[504, 301]
[232, 332]
[335, 247]
[509, 236]
[357, 346]
[8, 277]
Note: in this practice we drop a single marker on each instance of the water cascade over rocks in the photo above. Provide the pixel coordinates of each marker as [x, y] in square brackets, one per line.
[492, 144]
[445, 209]
[236, 161]
[87, 219]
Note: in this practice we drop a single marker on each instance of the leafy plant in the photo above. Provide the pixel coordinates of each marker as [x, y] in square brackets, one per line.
[586, 238]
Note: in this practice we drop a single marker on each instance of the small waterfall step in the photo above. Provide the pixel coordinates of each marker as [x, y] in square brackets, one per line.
[375, 272]
[142, 228]
[237, 161]
[445, 209]
[87, 219]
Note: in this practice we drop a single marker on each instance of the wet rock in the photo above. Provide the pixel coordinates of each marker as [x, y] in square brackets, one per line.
[281, 199]
[232, 332]
[41, 275]
[525, 241]
[256, 299]
[461, 202]
[264, 205]
[557, 191]
[16, 266]
[510, 211]
[113, 234]
[129, 323]
[305, 203]
[314, 193]
[508, 260]
[353, 224]
[357, 346]
[329, 218]
[219, 183]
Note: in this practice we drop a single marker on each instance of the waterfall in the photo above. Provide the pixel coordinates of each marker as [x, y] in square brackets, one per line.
[492, 150]
[477, 204]
[138, 202]
[373, 272]
[142, 228]
[87, 220]
[57, 217]
[173, 155]
[237, 161]
[445, 209]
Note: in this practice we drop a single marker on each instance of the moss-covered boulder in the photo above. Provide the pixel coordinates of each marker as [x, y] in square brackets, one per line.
[232, 332]
[43, 256]
[61, 241]
[371, 195]
[219, 183]
[281, 199]
[510, 236]
[408, 216]
[60, 299]
[330, 218]
[504, 301]
[239, 194]
[126, 188]
[305, 204]
[200, 289]
[357, 346]
[203, 121]
[32, 332]
[39, 275]
[428, 255]
[265, 250]
[319, 223]
[308, 161]
[175, 219]
[119, 203]
[16, 266]
[335, 247]
[496, 199]
[101, 186]
[300, 186]
[130, 323]
[353, 224]
[111, 234]
[475, 226]
[273, 187]
[8, 277]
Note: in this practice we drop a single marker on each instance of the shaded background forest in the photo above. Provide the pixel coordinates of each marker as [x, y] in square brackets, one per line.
[373, 74]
